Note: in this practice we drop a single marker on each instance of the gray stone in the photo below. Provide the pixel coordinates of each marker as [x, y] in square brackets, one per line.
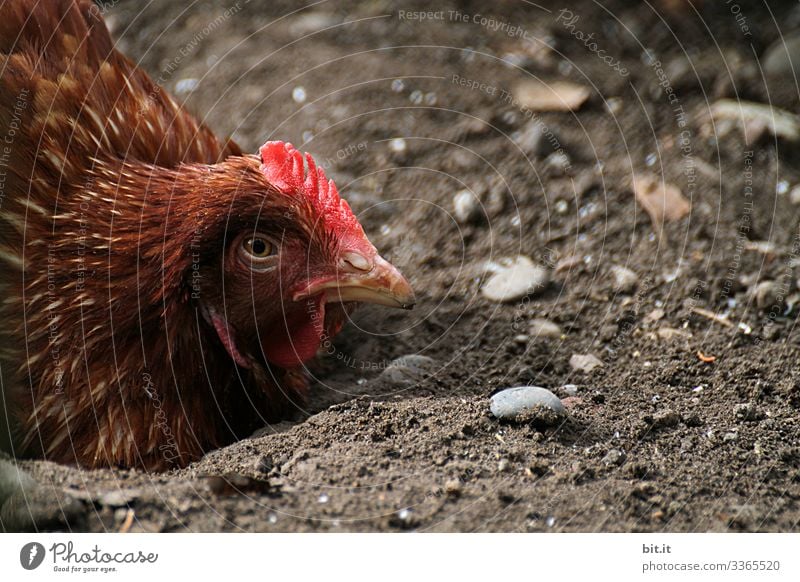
[614, 457]
[537, 140]
[407, 370]
[570, 389]
[543, 328]
[768, 294]
[515, 280]
[585, 362]
[528, 403]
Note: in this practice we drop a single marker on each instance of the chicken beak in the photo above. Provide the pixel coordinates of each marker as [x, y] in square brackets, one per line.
[382, 284]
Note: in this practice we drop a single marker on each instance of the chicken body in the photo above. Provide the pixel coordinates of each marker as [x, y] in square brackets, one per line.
[161, 290]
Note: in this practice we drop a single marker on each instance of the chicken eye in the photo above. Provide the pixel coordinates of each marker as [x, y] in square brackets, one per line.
[258, 250]
[258, 247]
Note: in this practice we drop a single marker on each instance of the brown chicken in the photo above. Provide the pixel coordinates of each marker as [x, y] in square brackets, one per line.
[160, 290]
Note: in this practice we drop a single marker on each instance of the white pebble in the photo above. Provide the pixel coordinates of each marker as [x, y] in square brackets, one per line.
[512, 402]
[465, 207]
[520, 278]
[397, 145]
[585, 362]
[299, 95]
[186, 86]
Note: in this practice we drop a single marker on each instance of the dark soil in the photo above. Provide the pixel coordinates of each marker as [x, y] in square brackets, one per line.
[655, 440]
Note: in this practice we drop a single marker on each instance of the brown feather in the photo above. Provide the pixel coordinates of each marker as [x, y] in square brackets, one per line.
[108, 188]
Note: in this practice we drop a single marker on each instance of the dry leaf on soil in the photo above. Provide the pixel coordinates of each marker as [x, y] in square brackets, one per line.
[662, 201]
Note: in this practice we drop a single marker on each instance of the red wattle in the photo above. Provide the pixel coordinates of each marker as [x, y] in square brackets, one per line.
[298, 337]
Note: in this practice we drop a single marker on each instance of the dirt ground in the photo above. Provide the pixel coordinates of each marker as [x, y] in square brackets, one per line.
[407, 112]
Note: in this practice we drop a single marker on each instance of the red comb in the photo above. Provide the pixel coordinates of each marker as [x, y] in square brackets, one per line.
[284, 168]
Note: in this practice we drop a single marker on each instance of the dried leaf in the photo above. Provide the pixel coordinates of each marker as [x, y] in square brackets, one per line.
[556, 96]
[662, 201]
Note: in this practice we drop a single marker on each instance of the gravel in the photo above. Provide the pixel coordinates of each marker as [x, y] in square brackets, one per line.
[585, 362]
[514, 280]
[544, 328]
[528, 403]
[625, 280]
[466, 208]
[614, 457]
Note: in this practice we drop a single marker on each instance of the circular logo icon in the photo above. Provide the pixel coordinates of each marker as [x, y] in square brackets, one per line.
[31, 555]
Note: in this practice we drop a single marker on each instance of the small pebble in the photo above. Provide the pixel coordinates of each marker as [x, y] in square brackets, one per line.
[536, 139]
[570, 389]
[503, 466]
[397, 145]
[585, 362]
[186, 86]
[466, 207]
[299, 95]
[614, 457]
[558, 161]
[794, 195]
[408, 370]
[625, 280]
[513, 282]
[528, 403]
[614, 105]
[544, 328]
[768, 294]
[453, 487]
